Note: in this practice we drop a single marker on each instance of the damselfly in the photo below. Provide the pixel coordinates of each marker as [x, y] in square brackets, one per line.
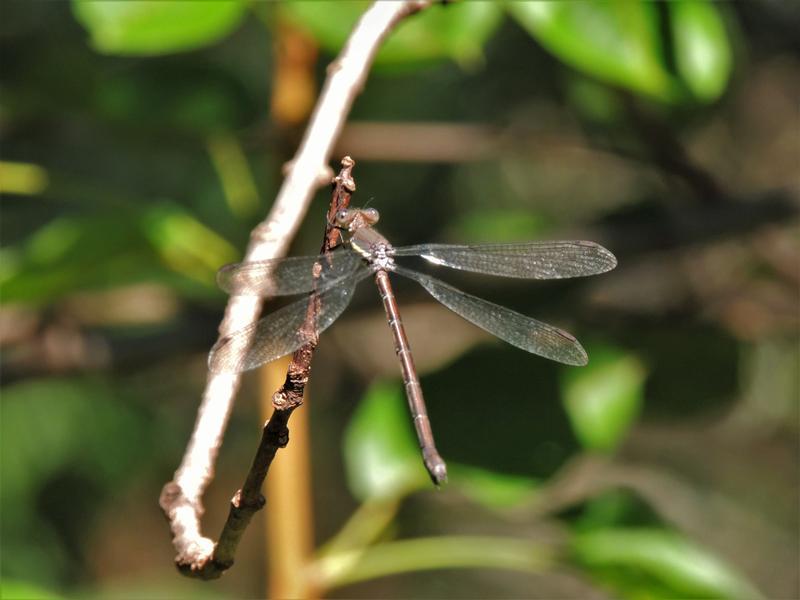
[332, 279]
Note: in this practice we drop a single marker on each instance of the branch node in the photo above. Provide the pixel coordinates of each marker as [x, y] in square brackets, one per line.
[344, 178]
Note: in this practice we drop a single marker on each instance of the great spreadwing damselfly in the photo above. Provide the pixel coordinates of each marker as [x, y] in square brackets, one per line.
[332, 279]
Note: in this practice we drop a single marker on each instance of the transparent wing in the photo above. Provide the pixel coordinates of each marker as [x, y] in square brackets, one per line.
[288, 276]
[529, 260]
[282, 331]
[516, 329]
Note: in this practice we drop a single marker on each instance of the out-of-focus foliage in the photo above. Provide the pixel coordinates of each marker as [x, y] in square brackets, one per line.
[142, 27]
[457, 31]
[22, 178]
[617, 41]
[55, 435]
[17, 590]
[380, 453]
[620, 42]
[382, 457]
[603, 399]
[162, 243]
[702, 50]
[652, 563]
[492, 489]
[38, 437]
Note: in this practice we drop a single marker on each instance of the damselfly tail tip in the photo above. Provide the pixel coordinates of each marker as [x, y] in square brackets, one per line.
[438, 473]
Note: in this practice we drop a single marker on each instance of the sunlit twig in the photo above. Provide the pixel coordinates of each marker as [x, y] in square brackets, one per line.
[181, 498]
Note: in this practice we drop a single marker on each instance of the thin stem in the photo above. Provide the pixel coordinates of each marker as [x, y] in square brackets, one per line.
[425, 554]
[363, 527]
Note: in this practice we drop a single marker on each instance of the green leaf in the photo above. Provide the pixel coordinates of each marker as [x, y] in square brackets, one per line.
[22, 178]
[604, 398]
[656, 563]
[185, 244]
[141, 27]
[163, 243]
[381, 455]
[12, 589]
[425, 554]
[455, 31]
[616, 41]
[703, 53]
[71, 253]
[490, 488]
[48, 423]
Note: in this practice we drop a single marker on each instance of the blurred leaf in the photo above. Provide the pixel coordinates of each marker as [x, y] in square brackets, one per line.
[603, 398]
[490, 488]
[140, 27]
[234, 173]
[455, 31]
[11, 589]
[70, 253]
[381, 455]
[22, 178]
[424, 554]
[53, 241]
[185, 244]
[702, 49]
[55, 431]
[615, 508]
[616, 41]
[49, 423]
[654, 563]
[154, 243]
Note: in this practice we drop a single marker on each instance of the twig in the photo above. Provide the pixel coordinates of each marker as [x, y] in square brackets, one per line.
[248, 500]
[275, 435]
[181, 498]
[424, 554]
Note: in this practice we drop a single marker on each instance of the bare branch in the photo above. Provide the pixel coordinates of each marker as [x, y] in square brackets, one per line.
[181, 498]
[247, 501]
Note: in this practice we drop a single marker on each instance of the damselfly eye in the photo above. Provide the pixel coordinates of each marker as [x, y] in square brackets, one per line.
[341, 217]
[371, 215]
